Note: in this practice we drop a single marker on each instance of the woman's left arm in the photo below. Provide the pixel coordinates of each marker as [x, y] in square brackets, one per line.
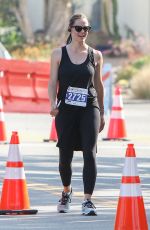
[99, 86]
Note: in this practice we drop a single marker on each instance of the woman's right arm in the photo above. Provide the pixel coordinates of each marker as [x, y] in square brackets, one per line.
[53, 80]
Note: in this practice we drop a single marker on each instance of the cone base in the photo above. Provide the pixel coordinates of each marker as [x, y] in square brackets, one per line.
[48, 140]
[53, 137]
[19, 212]
[114, 139]
[131, 214]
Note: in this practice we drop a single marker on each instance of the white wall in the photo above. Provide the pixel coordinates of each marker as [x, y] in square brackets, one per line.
[135, 14]
[36, 11]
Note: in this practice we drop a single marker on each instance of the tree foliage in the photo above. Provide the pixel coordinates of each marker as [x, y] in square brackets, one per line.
[15, 12]
[7, 17]
[55, 13]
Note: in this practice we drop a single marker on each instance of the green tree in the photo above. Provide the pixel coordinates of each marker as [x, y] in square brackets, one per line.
[7, 18]
[15, 12]
[55, 13]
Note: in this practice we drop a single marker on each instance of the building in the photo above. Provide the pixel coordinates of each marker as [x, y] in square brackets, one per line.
[134, 15]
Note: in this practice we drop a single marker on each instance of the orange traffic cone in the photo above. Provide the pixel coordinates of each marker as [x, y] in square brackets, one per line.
[14, 198]
[130, 211]
[53, 132]
[2, 123]
[117, 128]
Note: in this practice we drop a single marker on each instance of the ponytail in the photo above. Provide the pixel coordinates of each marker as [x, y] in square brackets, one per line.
[69, 39]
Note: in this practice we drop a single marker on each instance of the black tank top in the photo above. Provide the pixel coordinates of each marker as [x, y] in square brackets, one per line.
[77, 75]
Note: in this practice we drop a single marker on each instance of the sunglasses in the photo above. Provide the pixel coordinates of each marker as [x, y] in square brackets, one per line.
[80, 28]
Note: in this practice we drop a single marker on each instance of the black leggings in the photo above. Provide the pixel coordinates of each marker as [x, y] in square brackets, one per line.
[89, 129]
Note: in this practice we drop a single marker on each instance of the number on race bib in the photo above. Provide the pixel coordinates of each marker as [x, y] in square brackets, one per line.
[76, 96]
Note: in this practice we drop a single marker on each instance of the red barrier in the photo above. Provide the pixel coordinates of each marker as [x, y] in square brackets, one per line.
[20, 81]
[41, 75]
[24, 85]
[3, 64]
[3, 78]
[4, 86]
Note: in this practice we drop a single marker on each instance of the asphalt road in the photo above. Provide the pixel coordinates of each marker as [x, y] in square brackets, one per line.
[44, 185]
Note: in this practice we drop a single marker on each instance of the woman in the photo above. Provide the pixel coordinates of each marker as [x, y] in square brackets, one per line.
[79, 111]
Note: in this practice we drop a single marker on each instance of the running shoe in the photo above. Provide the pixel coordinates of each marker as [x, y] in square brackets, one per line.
[64, 203]
[88, 208]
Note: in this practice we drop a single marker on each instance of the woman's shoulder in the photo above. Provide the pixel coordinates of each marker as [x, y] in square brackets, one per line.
[56, 54]
[98, 58]
[97, 55]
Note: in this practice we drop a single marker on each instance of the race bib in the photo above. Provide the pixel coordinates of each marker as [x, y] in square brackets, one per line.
[76, 96]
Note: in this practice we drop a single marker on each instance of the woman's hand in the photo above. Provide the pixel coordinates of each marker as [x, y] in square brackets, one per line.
[102, 123]
[54, 111]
